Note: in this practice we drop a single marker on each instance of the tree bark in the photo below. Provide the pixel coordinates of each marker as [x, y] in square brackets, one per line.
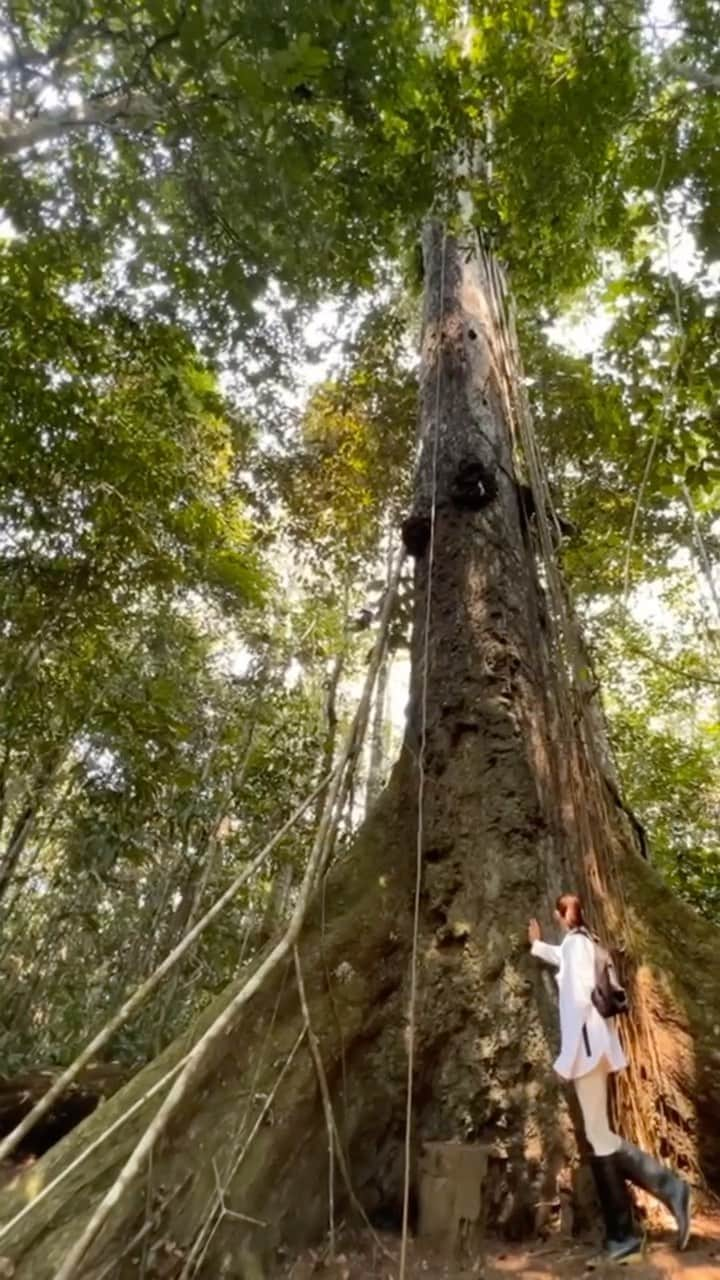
[514, 811]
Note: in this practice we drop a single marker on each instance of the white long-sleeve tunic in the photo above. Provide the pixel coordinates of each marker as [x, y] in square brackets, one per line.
[586, 1038]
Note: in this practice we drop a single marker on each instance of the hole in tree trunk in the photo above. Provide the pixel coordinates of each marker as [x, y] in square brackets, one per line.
[474, 486]
[19, 1094]
[416, 535]
[437, 853]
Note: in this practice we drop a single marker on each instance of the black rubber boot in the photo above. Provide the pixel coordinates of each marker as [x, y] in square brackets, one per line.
[621, 1242]
[672, 1191]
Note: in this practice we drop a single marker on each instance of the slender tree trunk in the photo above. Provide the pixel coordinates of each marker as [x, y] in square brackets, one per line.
[276, 911]
[331, 718]
[378, 747]
[514, 810]
[378, 754]
[26, 820]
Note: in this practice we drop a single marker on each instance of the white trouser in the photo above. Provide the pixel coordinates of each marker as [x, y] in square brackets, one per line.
[592, 1092]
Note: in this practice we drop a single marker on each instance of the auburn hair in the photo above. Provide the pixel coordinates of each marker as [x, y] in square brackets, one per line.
[569, 907]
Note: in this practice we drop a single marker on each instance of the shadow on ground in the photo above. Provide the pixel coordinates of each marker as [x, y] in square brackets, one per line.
[365, 1256]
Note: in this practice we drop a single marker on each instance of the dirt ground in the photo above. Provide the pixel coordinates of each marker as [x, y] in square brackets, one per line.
[365, 1256]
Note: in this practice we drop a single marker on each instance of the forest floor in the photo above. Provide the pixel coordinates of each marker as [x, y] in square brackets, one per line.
[363, 1256]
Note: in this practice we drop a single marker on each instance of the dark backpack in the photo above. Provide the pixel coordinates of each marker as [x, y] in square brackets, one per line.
[608, 996]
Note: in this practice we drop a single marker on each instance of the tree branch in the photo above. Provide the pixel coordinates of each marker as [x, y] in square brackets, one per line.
[21, 57]
[703, 79]
[128, 107]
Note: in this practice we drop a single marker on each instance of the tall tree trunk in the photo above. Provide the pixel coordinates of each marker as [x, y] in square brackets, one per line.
[514, 810]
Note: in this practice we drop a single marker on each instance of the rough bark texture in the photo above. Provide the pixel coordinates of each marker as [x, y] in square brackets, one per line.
[514, 811]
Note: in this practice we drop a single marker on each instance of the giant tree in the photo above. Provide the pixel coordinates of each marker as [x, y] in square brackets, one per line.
[527, 138]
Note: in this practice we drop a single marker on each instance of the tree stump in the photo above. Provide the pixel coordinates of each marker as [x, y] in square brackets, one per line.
[452, 1177]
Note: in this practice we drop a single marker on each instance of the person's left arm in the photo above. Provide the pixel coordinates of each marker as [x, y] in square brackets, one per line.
[542, 950]
[547, 952]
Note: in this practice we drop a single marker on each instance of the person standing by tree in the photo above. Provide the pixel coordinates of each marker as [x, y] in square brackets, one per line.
[590, 1050]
